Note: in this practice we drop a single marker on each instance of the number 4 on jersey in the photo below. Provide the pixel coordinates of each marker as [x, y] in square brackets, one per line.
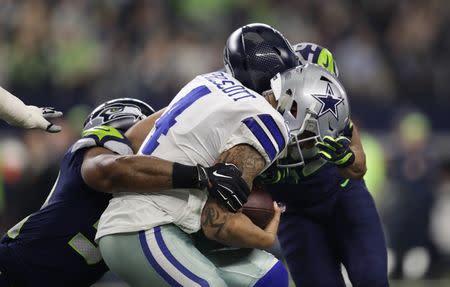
[167, 120]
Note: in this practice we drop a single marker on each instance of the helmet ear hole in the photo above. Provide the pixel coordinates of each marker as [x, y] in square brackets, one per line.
[294, 109]
[277, 51]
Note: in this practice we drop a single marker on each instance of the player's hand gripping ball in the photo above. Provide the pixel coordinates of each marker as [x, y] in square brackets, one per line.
[336, 150]
[225, 183]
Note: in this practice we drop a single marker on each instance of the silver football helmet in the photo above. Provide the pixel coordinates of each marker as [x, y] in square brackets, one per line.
[314, 104]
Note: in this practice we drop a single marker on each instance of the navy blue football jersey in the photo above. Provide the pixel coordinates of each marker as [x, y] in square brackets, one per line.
[55, 245]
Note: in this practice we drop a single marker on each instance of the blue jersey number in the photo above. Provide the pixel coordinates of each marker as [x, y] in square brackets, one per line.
[165, 122]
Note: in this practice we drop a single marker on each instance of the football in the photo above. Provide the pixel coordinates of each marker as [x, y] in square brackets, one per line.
[259, 207]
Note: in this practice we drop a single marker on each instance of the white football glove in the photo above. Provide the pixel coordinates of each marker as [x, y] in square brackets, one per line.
[37, 118]
[16, 113]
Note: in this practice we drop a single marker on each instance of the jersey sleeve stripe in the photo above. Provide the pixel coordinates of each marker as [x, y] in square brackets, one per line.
[261, 136]
[274, 130]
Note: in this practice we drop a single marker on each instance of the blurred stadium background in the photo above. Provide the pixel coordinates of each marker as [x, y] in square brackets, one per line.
[393, 56]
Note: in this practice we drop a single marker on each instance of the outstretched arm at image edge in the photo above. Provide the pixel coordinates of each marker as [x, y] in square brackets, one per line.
[16, 113]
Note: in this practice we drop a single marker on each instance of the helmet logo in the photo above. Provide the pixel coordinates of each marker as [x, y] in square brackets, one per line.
[113, 110]
[329, 102]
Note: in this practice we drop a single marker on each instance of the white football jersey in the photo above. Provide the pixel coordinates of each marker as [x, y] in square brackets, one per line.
[211, 114]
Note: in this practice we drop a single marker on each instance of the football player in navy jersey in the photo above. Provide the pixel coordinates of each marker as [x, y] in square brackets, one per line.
[330, 217]
[55, 245]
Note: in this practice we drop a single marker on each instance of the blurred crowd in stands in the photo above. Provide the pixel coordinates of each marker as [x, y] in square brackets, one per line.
[393, 57]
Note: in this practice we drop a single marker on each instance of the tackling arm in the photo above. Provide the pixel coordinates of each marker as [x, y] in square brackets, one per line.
[105, 171]
[236, 229]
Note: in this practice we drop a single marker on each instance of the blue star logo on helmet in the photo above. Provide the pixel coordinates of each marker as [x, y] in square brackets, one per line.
[329, 102]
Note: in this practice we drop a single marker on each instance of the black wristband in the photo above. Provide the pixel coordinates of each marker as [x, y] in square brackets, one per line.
[184, 176]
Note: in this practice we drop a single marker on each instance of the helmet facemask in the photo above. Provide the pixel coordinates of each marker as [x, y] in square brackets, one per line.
[301, 141]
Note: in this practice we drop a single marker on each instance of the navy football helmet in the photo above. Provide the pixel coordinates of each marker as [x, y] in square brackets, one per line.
[119, 113]
[316, 54]
[255, 53]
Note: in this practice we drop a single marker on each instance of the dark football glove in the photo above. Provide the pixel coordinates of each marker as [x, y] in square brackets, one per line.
[336, 150]
[274, 175]
[224, 182]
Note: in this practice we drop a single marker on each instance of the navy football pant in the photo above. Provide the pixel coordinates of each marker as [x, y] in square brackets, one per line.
[4, 255]
[345, 228]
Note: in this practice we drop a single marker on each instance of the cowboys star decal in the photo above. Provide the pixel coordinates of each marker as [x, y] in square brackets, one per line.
[328, 102]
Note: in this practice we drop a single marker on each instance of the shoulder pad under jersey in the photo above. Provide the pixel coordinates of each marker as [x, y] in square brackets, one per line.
[104, 136]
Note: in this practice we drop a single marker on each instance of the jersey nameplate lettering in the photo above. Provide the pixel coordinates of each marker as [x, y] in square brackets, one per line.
[230, 88]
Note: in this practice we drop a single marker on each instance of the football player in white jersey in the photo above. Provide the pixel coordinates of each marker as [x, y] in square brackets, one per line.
[214, 118]
[16, 113]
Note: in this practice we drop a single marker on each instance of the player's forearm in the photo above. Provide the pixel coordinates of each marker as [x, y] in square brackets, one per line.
[358, 168]
[12, 109]
[242, 233]
[16, 113]
[107, 172]
[137, 174]
[234, 229]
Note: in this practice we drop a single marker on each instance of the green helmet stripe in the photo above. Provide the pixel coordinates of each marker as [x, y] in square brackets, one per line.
[326, 60]
[102, 131]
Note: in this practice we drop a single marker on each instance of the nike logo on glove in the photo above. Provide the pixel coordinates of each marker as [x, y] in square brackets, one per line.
[215, 173]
